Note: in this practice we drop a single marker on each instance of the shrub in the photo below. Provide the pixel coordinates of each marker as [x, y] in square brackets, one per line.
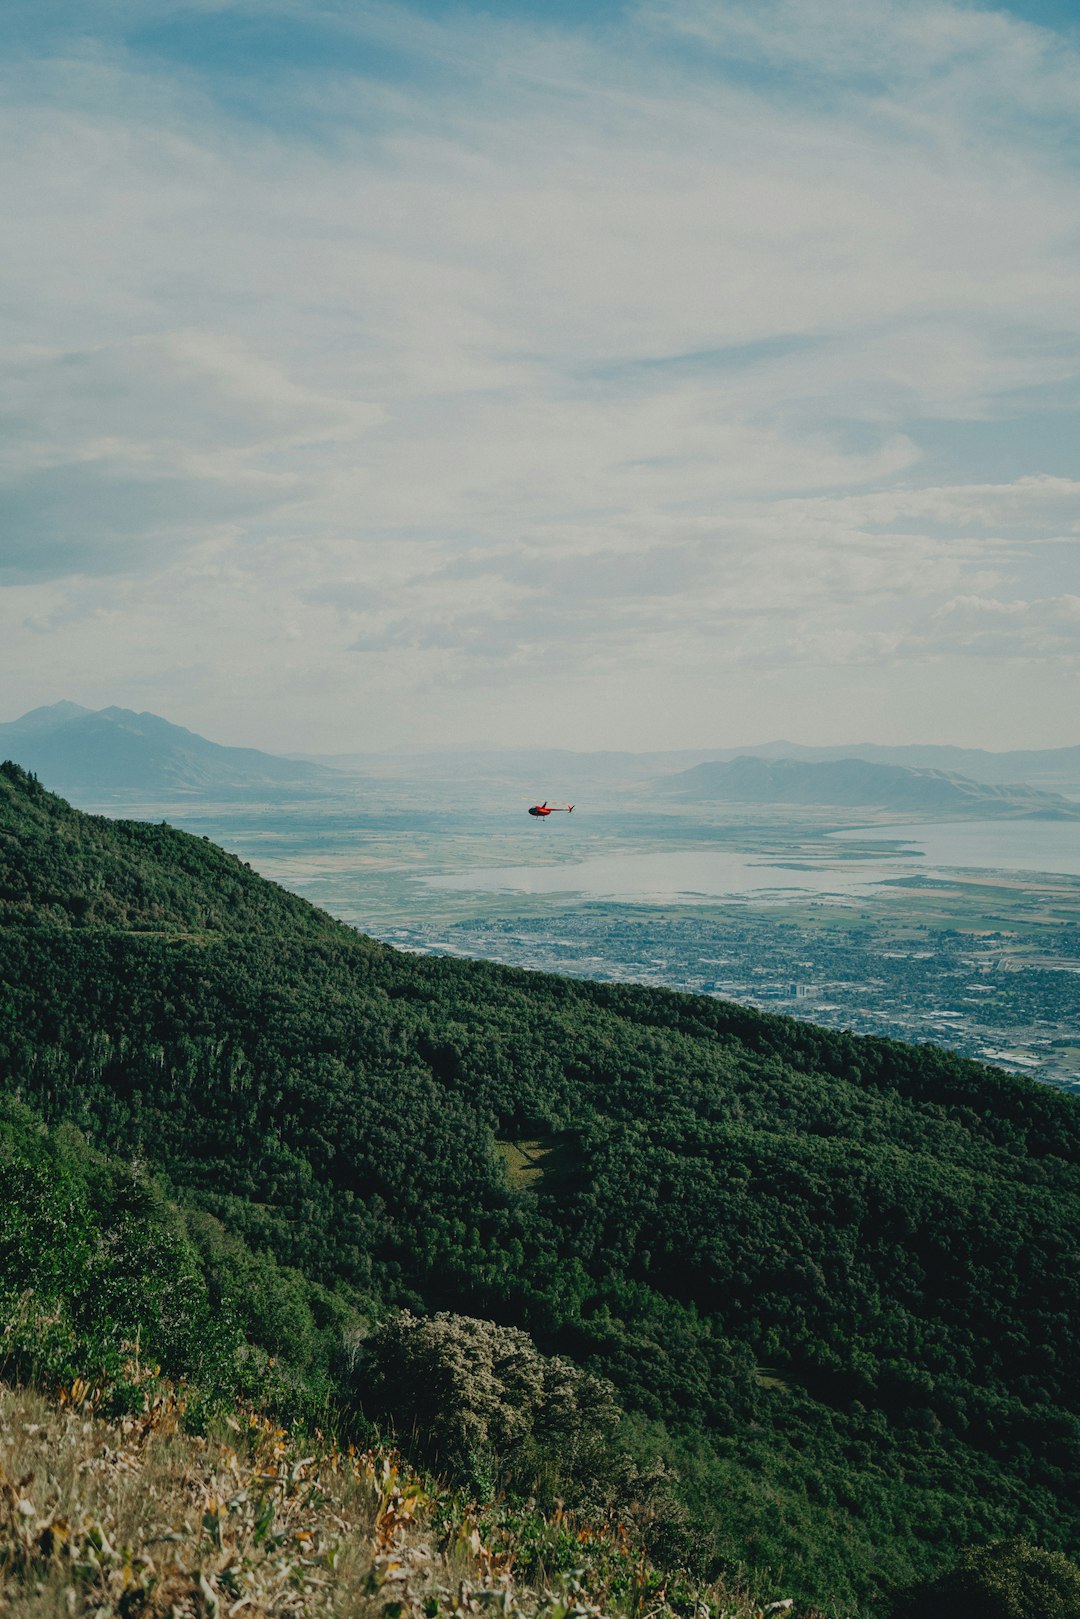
[1009, 1580]
[100, 1272]
[479, 1399]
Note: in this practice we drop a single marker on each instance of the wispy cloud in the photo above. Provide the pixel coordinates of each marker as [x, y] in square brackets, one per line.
[116, 457]
[411, 349]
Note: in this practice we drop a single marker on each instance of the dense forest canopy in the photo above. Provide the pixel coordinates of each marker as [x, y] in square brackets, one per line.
[833, 1280]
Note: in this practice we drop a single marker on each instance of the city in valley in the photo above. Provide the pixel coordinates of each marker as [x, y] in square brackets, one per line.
[866, 928]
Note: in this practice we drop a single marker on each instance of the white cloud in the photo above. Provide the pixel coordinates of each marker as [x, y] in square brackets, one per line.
[1036, 502]
[113, 457]
[1044, 630]
[571, 340]
[919, 47]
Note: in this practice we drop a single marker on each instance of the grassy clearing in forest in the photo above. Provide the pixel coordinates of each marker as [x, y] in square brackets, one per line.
[524, 1160]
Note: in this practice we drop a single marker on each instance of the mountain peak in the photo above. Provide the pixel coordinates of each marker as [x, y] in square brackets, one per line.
[46, 718]
[115, 754]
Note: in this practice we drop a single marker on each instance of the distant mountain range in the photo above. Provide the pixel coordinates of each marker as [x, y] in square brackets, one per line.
[94, 756]
[859, 784]
[116, 756]
[1051, 768]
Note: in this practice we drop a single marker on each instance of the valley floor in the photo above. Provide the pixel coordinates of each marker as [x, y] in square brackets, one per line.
[981, 961]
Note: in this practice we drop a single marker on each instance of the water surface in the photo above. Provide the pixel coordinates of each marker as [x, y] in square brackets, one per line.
[676, 874]
[839, 865]
[1050, 846]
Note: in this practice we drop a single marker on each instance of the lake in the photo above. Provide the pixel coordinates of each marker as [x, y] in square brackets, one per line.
[883, 854]
[1048, 846]
[686, 875]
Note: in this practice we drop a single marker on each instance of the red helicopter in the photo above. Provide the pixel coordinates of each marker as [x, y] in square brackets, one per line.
[541, 810]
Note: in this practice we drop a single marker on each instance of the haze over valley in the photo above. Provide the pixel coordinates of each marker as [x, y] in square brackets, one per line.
[777, 881]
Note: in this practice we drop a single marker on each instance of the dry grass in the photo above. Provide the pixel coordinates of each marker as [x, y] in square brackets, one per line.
[138, 1519]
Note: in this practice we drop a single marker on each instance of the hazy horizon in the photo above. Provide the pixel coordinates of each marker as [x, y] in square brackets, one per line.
[608, 376]
[494, 745]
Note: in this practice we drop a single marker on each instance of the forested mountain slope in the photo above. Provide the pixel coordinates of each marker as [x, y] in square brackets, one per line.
[833, 1280]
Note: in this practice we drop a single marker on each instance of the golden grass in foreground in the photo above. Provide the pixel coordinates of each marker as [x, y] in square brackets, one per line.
[138, 1519]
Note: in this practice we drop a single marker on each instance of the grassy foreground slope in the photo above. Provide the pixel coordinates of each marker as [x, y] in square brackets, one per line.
[134, 1516]
[833, 1279]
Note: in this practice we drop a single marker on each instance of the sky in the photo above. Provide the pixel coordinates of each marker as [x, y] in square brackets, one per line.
[675, 373]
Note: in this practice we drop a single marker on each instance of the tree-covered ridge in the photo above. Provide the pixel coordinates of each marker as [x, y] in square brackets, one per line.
[61, 868]
[834, 1278]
